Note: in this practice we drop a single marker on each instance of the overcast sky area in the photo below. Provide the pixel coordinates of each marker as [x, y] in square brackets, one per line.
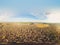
[30, 11]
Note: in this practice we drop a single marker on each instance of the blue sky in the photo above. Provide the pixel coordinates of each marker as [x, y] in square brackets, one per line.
[29, 10]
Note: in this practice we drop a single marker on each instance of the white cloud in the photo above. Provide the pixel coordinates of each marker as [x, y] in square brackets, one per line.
[49, 15]
[53, 16]
[21, 20]
[37, 13]
[5, 14]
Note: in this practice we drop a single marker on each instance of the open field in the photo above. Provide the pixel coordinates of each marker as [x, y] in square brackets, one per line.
[38, 33]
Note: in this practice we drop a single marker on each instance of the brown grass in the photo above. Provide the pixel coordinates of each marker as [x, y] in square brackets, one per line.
[23, 32]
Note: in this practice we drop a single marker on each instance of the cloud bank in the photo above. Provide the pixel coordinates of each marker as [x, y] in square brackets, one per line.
[5, 14]
[48, 16]
[53, 16]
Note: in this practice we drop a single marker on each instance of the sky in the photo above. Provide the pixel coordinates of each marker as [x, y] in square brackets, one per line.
[30, 11]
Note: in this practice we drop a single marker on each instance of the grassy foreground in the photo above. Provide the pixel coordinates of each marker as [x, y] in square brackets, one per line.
[29, 33]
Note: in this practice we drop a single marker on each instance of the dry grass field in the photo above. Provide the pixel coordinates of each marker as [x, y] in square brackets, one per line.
[29, 33]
